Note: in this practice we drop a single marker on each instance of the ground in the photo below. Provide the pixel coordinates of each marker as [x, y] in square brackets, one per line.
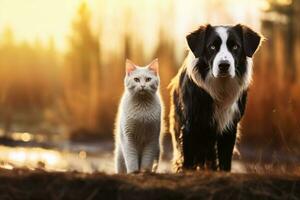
[26, 184]
[79, 170]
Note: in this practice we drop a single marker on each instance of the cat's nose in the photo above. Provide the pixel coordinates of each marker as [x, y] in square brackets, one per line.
[143, 86]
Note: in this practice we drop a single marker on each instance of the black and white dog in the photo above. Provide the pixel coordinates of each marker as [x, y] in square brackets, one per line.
[208, 96]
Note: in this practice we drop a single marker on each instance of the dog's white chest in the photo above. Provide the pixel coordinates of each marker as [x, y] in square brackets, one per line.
[224, 115]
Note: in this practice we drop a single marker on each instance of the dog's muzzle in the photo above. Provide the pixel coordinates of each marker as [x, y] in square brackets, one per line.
[224, 68]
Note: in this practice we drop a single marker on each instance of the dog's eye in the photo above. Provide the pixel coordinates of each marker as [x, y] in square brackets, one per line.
[136, 79]
[148, 79]
[212, 47]
[235, 47]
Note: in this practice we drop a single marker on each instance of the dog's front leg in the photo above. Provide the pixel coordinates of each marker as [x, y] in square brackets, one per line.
[211, 157]
[188, 149]
[226, 143]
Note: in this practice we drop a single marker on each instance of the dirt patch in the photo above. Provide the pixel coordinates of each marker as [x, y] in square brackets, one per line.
[25, 184]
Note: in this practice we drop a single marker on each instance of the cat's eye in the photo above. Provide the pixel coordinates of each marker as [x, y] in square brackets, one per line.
[148, 79]
[212, 47]
[136, 79]
[235, 47]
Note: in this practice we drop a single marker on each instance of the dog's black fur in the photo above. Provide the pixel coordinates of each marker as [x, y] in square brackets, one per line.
[194, 130]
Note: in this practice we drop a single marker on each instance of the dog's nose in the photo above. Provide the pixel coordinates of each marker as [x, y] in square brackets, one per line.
[224, 66]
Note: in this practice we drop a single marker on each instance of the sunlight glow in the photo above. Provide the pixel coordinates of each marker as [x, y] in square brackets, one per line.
[32, 158]
[36, 20]
[25, 137]
[82, 155]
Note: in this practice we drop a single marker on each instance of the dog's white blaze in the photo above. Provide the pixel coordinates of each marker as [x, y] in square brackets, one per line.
[223, 54]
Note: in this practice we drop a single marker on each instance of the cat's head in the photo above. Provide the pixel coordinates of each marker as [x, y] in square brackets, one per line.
[142, 80]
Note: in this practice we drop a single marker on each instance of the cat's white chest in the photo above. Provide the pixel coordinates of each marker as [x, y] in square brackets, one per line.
[141, 120]
[143, 116]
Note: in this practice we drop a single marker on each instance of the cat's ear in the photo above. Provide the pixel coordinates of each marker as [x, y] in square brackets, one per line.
[153, 66]
[130, 67]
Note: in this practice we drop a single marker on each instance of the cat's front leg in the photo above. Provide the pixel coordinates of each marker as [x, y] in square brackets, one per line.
[131, 156]
[120, 166]
[150, 156]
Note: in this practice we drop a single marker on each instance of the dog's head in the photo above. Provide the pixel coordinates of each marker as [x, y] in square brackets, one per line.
[222, 51]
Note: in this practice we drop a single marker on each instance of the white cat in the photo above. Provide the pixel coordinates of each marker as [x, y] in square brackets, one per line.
[139, 120]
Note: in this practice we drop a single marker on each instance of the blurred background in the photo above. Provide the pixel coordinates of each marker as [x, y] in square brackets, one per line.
[62, 70]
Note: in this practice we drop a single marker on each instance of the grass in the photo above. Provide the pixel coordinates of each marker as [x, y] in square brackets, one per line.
[25, 184]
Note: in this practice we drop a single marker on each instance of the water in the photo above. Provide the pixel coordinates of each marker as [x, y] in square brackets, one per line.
[82, 158]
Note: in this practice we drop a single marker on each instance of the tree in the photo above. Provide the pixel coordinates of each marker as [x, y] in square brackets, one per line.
[84, 47]
[81, 77]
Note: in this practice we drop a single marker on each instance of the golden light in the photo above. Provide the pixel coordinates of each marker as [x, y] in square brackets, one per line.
[82, 155]
[32, 158]
[6, 166]
[25, 137]
[32, 20]
[18, 157]
[284, 2]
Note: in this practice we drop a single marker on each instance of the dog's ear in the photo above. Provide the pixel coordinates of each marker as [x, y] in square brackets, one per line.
[251, 39]
[196, 40]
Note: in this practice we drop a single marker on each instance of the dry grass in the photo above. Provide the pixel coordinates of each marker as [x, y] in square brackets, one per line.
[23, 184]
